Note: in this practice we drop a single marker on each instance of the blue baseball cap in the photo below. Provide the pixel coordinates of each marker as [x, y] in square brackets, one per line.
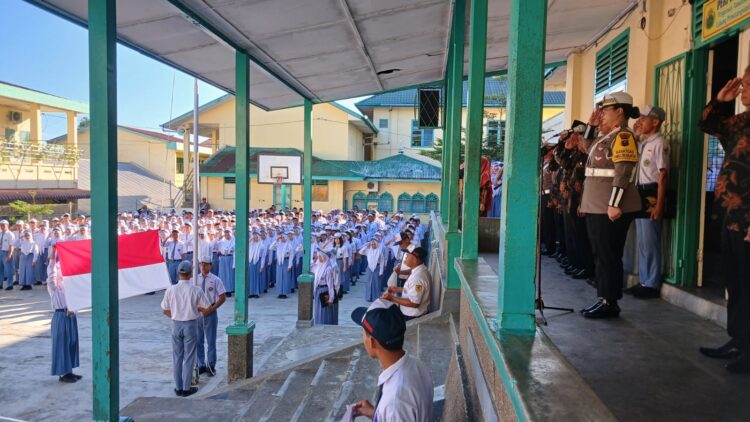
[384, 321]
[185, 267]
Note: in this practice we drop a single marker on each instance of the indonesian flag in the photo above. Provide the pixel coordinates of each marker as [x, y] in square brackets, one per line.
[141, 267]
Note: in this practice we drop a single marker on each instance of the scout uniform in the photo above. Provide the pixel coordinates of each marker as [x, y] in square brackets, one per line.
[610, 172]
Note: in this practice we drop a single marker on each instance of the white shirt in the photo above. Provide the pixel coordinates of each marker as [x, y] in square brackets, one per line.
[407, 392]
[173, 250]
[187, 240]
[212, 286]
[183, 300]
[417, 290]
[654, 156]
[7, 239]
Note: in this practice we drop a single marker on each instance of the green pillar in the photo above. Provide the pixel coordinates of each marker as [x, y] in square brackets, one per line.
[446, 129]
[690, 176]
[518, 227]
[105, 310]
[305, 304]
[454, 108]
[241, 332]
[474, 130]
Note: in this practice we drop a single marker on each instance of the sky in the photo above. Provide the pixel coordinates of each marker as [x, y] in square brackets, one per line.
[52, 56]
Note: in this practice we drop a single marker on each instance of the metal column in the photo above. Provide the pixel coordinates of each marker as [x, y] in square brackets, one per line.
[474, 130]
[305, 303]
[104, 294]
[241, 332]
[518, 227]
[446, 129]
[454, 108]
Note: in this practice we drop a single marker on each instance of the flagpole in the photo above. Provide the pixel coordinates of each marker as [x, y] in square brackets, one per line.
[196, 182]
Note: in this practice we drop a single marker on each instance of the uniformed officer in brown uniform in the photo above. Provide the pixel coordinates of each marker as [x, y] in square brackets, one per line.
[610, 198]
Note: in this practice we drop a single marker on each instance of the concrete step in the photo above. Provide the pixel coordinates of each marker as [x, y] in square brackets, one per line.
[291, 395]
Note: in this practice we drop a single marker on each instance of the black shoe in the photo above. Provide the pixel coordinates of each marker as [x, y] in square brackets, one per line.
[9, 288]
[631, 290]
[68, 378]
[580, 275]
[293, 290]
[27, 287]
[189, 392]
[178, 393]
[265, 291]
[741, 365]
[728, 351]
[591, 282]
[37, 283]
[202, 369]
[592, 306]
[604, 310]
[572, 270]
[646, 293]
[211, 370]
[229, 294]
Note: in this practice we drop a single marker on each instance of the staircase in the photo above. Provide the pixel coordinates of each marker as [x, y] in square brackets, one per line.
[184, 198]
[316, 389]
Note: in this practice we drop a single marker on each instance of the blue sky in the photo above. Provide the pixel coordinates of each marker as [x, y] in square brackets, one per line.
[52, 56]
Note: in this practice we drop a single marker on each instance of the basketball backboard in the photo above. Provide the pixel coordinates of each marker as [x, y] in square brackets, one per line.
[280, 169]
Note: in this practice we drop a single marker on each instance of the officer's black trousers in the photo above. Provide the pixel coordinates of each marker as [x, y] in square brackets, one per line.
[548, 225]
[583, 247]
[607, 240]
[736, 272]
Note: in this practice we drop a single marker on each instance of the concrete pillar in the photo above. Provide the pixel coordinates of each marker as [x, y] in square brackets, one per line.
[36, 124]
[72, 129]
[186, 154]
[305, 280]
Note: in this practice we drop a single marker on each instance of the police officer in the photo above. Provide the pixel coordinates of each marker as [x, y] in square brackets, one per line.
[184, 302]
[610, 198]
[213, 288]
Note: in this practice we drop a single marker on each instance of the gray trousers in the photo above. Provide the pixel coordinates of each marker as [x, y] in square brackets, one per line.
[183, 352]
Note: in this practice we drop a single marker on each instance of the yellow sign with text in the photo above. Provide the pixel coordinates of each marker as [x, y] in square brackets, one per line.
[719, 15]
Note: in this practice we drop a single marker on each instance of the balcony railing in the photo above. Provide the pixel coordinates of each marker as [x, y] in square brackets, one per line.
[18, 152]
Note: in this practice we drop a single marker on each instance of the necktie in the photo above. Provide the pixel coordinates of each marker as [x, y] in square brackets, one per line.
[378, 396]
[174, 246]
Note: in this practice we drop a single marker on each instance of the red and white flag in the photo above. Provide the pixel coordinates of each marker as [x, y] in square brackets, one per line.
[141, 267]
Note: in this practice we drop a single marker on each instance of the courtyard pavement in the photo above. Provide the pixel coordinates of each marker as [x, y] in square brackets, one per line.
[28, 391]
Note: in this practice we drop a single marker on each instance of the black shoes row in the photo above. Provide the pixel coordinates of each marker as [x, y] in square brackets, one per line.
[740, 361]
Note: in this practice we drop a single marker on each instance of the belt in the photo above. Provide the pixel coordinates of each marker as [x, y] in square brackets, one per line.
[61, 310]
[592, 172]
[175, 260]
[225, 254]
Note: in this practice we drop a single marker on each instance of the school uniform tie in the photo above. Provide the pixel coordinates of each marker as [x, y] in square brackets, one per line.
[378, 396]
[174, 246]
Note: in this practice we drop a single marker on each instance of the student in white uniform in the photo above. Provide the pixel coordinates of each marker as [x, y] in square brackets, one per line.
[184, 302]
[415, 295]
[7, 242]
[405, 386]
[173, 253]
[213, 288]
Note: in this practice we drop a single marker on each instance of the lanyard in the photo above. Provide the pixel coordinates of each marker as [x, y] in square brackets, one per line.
[174, 246]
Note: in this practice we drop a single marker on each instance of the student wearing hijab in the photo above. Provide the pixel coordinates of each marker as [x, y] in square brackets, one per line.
[64, 329]
[350, 273]
[374, 255]
[256, 263]
[40, 267]
[28, 258]
[326, 274]
[284, 251]
[226, 258]
[342, 259]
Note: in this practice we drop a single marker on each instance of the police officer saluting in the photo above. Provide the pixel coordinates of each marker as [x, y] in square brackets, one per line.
[610, 199]
[184, 302]
[213, 288]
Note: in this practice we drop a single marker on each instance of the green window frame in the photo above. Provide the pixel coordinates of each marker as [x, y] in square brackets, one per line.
[431, 202]
[612, 64]
[180, 166]
[418, 204]
[404, 202]
[385, 202]
[229, 188]
[421, 138]
[359, 200]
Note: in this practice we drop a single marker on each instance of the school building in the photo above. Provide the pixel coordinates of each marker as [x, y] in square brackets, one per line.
[31, 169]
[344, 172]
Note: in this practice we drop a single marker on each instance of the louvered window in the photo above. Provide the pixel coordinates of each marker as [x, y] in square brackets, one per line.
[612, 63]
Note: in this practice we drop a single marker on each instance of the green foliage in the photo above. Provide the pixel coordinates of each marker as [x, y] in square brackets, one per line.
[84, 123]
[24, 209]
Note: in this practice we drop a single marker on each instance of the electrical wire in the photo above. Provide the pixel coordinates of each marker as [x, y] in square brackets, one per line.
[674, 18]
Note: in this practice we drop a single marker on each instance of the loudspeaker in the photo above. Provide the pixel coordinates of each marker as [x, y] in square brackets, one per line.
[429, 108]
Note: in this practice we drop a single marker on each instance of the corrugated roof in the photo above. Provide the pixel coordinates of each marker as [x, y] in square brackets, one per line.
[495, 94]
[222, 163]
[42, 195]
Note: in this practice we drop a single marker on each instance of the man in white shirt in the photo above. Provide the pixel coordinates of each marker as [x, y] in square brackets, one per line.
[214, 290]
[415, 295]
[7, 242]
[184, 302]
[405, 387]
[174, 251]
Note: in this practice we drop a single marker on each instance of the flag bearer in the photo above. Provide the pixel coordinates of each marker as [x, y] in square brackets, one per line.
[184, 303]
[64, 329]
[213, 288]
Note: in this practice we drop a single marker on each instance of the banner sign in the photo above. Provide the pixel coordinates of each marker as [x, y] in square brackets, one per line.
[719, 15]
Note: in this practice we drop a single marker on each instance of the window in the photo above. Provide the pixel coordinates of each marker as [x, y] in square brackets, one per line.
[431, 202]
[382, 123]
[385, 202]
[421, 137]
[501, 131]
[612, 65]
[229, 188]
[25, 135]
[181, 166]
[359, 200]
[320, 190]
[404, 202]
[417, 203]
[493, 131]
[10, 134]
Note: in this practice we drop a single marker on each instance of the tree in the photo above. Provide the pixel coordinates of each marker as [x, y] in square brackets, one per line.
[21, 208]
[84, 123]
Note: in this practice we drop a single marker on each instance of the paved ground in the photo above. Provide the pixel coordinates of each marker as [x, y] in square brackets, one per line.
[28, 392]
[645, 366]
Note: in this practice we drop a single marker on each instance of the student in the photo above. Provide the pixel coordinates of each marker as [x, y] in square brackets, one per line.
[29, 254]
[226, 258]
[173, 253]
[374, 256]
[256, 262]
[7, 242]
[207, 325]
[343, 258]
[64, 329]
[284, 251]
[326, 276]
[405, 388]
[184, 303]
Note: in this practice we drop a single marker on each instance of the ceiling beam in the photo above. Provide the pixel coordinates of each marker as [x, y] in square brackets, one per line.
[358, 37]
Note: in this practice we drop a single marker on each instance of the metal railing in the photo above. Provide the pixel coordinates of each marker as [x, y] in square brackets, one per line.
[19, 152]
[185, 193]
